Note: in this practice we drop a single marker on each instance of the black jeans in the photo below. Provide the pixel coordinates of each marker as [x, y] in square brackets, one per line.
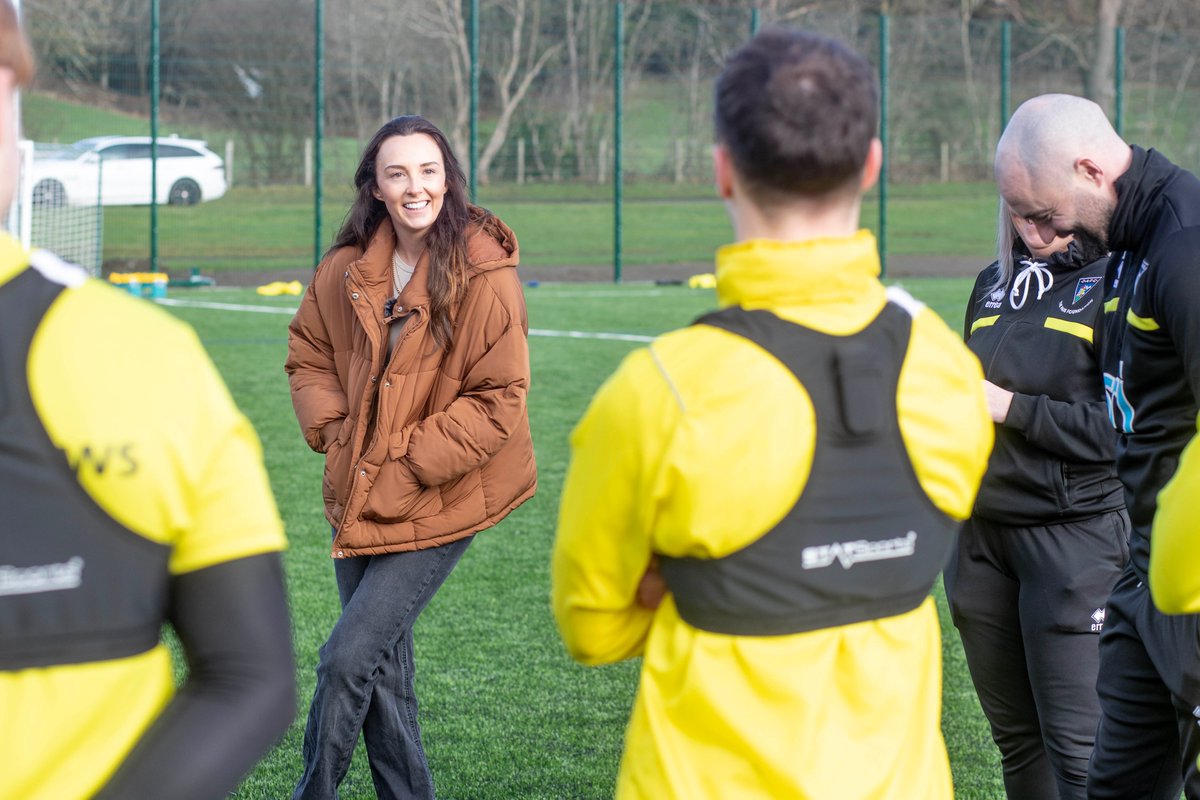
[365, 675]
[1028, 603]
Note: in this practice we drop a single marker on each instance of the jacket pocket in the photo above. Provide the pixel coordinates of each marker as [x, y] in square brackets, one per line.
[337, 467]
[1060, 481]
[397, 495]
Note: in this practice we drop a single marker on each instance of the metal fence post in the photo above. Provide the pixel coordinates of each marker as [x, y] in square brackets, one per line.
[154, 91]
[618, 123]
[755, 23]
[883, 138]
[318, 128]
[474, 146]
[1005, 70]
[1119, 82]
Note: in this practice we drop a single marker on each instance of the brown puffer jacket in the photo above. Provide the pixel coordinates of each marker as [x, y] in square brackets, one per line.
[446, 450]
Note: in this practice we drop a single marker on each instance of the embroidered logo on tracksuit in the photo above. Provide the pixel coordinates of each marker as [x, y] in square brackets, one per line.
[1083, 286]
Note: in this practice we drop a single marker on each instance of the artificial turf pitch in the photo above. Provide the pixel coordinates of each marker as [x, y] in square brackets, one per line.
[504, 712]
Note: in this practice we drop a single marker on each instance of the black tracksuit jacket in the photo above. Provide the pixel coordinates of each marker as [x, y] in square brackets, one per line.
[1151, 347]
[1038, 337]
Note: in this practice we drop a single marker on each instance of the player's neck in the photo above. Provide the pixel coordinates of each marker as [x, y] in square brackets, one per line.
[799, 222]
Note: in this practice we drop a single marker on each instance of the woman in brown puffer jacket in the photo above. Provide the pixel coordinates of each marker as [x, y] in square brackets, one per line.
[409, 368]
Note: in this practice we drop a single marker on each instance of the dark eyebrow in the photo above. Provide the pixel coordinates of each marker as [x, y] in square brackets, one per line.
[426, 164]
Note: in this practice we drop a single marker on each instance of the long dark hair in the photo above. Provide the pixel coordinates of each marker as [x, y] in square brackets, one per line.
[446, 241]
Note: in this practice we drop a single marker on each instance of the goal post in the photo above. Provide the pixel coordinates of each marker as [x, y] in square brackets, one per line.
[20, 218]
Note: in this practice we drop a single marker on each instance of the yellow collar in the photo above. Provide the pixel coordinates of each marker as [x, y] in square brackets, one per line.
[14, 258]
[763, 273]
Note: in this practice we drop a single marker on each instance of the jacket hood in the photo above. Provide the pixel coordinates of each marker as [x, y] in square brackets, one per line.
[492, 244]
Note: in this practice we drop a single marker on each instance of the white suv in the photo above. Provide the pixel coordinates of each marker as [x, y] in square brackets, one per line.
[188, 172]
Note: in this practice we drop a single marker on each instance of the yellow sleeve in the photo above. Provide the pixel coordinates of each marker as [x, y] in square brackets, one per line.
[943, 414]
[232, 510]
[603, 543]
[1175, 539]
[128, 393]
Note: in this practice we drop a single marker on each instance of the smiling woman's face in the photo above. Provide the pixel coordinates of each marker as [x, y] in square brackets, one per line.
[410, 180]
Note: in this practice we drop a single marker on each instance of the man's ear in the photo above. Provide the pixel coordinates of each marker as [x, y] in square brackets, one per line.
[722, 171]
[1090, 171]
[872, 165]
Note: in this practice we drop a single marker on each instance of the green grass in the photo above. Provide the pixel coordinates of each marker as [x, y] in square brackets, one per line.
[504, 711]
[271, 227]
[48, 119]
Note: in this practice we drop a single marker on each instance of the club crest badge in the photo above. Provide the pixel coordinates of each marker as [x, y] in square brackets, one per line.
[1083, 286]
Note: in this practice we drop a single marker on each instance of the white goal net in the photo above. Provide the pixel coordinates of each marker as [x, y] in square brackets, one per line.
[72, 228]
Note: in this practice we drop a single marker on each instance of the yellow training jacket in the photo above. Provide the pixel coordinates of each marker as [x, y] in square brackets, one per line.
[1175, 549]
[129, 396]
[697, 446]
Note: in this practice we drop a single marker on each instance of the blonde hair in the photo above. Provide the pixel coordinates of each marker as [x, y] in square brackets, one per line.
[1006, 239]
[15, 53]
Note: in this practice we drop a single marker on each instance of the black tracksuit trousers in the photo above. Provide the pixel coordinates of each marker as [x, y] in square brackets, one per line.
[1029, 603]
[1149, 690]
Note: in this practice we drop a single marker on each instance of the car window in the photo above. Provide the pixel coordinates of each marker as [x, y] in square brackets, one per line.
[125, 151]
[174, 151]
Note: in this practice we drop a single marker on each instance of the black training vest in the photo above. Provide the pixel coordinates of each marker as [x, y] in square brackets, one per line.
[75, 585]
[863, 540]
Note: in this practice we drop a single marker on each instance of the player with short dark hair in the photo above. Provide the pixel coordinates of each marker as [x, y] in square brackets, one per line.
[804, 131]
[793, 467]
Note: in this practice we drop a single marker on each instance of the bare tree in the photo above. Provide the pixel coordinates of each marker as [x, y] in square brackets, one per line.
[442, 22]
[368, 41]
[1060, 26]
[587, 29]
[260, 86]
[521, 64]
[82, 38]
[1099, 76]
[582, 132]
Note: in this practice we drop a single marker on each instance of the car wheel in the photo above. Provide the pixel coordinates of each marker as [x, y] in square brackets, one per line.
[184, 192]
[49, 194]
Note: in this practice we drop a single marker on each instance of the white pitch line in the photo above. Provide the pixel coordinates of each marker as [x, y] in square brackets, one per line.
[619, 337]
[167, 301]
[535, 291]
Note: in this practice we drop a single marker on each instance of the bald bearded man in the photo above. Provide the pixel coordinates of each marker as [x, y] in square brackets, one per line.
[1061, 166]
